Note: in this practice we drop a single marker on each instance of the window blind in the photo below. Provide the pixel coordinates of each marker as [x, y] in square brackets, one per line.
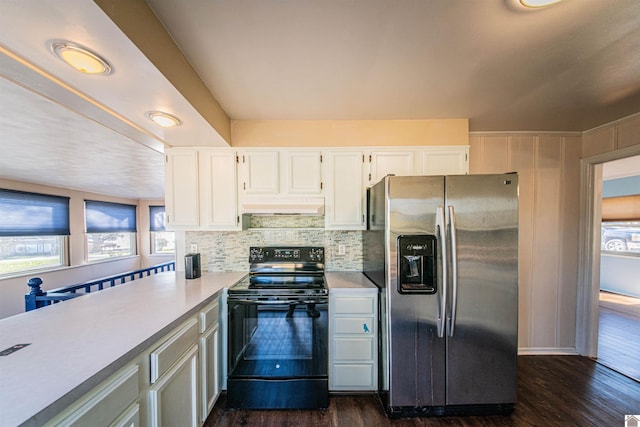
[32, 214]
[156, 218]
[105, 217]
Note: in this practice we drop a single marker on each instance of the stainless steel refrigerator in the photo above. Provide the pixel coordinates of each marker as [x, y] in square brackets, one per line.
[443, 251]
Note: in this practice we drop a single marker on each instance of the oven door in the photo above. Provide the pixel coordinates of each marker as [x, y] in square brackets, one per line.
[278, 353]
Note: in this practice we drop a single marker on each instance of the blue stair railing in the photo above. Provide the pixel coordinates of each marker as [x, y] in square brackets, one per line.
[37, 298]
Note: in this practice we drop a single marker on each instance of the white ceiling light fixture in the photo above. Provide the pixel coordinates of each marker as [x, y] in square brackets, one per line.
[81, 58]
[163, 119]
[538, 3]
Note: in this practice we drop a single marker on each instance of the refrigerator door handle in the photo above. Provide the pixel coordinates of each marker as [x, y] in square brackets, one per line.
[454, 269]
[440, 226]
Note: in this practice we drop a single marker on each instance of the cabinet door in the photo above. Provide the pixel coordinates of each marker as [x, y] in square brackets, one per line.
[302, 172]
[261, 172]
[218, 190]
[445, 161]
[345, 190]
[210, 369]
[383, 163]
[174, 397]
[181, 188]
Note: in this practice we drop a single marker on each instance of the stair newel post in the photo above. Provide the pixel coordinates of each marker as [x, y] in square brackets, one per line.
[30, 301]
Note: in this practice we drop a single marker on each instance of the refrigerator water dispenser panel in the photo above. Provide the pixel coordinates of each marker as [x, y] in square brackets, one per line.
[417, 264]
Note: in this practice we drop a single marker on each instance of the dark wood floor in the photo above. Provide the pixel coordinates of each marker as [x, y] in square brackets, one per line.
[619, 333]
[552, 391]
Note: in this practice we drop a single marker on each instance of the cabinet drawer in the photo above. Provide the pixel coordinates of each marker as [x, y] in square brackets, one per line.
[353, 349]
[353, 376]
[163, 357]
[209, 316]
[353, 305]
[353, 325]
[107, 402]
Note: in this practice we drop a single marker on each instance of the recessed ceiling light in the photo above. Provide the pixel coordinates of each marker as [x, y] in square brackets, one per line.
[538, 3]
[80, 58]
[163, 119]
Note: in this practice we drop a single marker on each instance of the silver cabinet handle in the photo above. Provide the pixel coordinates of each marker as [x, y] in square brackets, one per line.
[440, 230]
[454, 269]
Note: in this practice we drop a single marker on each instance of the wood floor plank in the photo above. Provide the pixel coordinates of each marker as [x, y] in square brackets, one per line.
[619, 333]
[552, 391]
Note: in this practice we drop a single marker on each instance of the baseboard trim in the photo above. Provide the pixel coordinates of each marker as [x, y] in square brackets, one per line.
[548, 351]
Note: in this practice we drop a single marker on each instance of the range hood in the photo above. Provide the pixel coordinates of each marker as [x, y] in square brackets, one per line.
[283, 206]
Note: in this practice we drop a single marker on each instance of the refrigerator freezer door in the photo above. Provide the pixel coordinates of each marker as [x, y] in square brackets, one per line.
[482, 348]
[416, 353]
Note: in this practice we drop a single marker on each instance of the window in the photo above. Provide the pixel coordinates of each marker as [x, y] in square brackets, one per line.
[111, 230]
[621, 237]
[162, 241]
[621, 224]
[33, 230]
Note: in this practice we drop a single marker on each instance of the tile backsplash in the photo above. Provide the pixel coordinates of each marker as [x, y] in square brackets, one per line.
[229, 250]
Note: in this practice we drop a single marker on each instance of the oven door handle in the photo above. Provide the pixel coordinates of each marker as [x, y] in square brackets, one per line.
[278, 302]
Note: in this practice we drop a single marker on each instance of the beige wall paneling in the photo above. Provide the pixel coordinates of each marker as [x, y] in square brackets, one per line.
[522, 160]
[628, 133]
[570, 229]
[547, 167]
[546, 243]
[495, 154]
[598, 141]
[475, 154]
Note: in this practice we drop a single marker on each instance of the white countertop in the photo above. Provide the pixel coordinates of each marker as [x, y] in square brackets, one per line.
[352, 280]
[78, 343]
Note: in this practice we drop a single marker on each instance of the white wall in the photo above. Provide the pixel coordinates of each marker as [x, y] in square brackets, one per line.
[619, 274]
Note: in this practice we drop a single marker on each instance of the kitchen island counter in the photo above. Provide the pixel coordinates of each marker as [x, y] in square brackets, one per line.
[77, 344]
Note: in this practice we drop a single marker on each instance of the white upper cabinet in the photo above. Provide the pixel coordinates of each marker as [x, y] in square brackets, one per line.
[208, 188]
[218, 195]
[284, 172]
[395, 162]
[344, 172]
[445, 161]
[201, 189]
[181, 187]
[302, 172]
[260, 172]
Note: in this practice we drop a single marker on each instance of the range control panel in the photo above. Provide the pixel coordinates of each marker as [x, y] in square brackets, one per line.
[274, 254]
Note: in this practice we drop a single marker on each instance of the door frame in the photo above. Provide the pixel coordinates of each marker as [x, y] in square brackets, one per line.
[587, 311]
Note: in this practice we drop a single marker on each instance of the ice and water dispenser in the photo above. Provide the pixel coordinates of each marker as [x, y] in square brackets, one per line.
[417, 260]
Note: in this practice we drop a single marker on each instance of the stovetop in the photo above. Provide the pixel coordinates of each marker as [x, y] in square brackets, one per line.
[276, 270]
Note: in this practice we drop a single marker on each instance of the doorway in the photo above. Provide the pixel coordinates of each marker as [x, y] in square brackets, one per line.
[619, 297]
[588, 309]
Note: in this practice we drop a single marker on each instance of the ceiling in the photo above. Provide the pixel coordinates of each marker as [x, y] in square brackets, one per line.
[569, 67]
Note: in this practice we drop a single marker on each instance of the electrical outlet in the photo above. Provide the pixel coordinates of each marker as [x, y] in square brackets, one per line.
[194, 248]
[342, 250]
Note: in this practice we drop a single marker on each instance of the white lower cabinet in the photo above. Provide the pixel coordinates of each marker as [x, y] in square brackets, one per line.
[353, 348]
[131, 418]
[174, 382]
[106, 404]
[210, 364]
[173, 399]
